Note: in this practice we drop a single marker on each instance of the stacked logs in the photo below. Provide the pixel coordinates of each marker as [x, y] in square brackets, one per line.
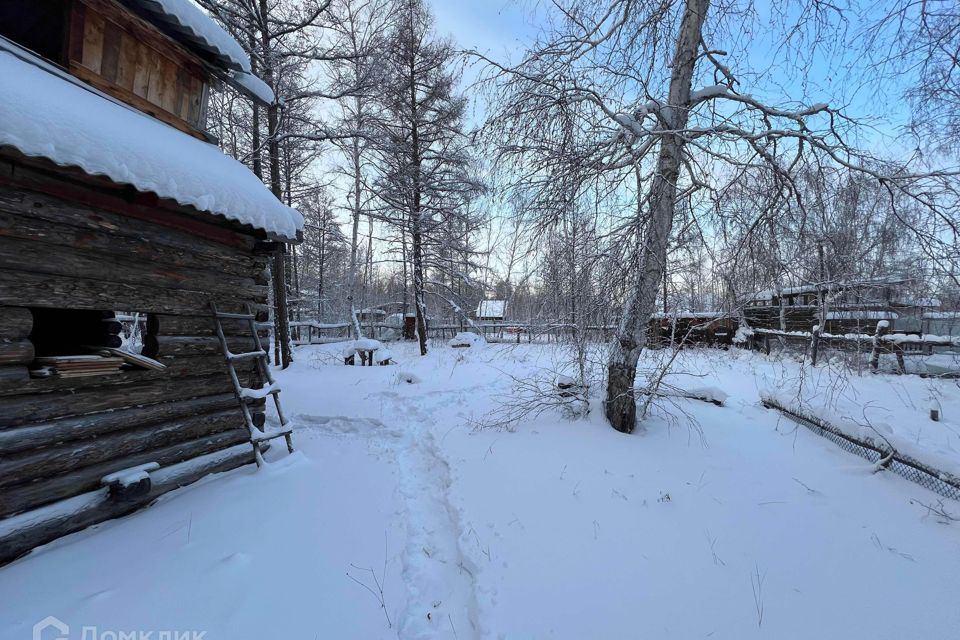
[16, 350]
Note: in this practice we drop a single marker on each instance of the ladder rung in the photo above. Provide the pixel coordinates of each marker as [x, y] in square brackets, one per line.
[263, 325]
[271, 435]
[237, 357]
[235, 316]
[250, 395]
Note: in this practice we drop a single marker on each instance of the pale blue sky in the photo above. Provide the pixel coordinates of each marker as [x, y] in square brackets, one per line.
[503, 28]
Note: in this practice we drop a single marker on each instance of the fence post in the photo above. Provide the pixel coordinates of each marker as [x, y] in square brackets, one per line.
[814, 344]
[882, 327]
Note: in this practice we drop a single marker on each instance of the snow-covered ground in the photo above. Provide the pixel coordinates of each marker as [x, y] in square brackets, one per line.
[738, 524]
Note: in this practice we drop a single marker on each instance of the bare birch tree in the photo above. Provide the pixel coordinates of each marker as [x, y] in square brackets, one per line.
[653, 100]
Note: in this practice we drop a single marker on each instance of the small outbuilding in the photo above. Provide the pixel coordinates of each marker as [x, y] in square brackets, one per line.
[492, 310]
[115, 204]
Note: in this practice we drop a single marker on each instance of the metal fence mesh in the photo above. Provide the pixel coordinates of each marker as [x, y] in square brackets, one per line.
[904, 466]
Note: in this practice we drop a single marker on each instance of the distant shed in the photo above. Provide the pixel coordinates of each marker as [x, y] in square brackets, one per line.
[492, 310]
[112, 199]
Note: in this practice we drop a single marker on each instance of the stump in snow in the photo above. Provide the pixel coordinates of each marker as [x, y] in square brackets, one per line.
[130, 484]
[567, 387]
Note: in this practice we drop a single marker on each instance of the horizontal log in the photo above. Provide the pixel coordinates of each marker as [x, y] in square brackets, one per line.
[16, 351]
[39, 257]
[42, 407]
[15, 322]
[34, 494]
[44, 463]
[57, 291]
[181, 346]
[167, 325]
[177, 367]
[56, 432]
[40, 528]
[14, 376]
[34, 225]
[94, 213]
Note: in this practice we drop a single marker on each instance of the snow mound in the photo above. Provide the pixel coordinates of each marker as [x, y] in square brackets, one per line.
[466, 339]
[407, 376]
[367, 344]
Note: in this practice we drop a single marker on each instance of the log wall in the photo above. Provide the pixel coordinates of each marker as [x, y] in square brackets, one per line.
[60, 436]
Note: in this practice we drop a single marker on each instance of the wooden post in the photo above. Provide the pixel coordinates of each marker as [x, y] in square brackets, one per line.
[814, 344]
[882, 328]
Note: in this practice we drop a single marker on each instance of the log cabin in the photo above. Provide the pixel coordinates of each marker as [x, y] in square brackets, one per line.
[851, 307]
[115, 203]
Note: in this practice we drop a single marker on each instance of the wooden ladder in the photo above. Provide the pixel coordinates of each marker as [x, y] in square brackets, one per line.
[244, 394]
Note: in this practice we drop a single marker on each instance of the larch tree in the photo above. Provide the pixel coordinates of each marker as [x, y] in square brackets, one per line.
[358, 35]
[425, 170]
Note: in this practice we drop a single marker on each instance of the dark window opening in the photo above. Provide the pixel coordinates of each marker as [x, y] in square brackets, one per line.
[38, 25]
[78, 342]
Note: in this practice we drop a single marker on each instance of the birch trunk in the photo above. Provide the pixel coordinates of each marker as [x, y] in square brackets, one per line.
[620, 405]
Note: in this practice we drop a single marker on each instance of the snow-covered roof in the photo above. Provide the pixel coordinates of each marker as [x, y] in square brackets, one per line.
[687, 315]
[491, 308]
[45, 113]
[860, 314]
[196, 27]
[253, 85]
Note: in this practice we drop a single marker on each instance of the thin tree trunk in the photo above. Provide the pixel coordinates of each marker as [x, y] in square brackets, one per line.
[281, 317]
[355, 213]
[620, 405]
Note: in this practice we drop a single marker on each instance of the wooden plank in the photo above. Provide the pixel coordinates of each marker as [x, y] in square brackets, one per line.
[192, 101]
[148, 104]
[16, 351]
[91, 425]
[92, 41]
[184, 85]
[34, 494]
[155, 86]
[41, 531]
[110, 60]
[141, 72]
[168, 95]
[147, 33]
[30, 215]
[15, 322]
[19, 468]
[127, 63]
[75, 44]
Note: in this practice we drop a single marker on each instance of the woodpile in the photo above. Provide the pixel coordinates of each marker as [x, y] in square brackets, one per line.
[76, 366]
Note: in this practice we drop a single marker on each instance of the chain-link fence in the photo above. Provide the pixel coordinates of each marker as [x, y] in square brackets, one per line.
[941, 482]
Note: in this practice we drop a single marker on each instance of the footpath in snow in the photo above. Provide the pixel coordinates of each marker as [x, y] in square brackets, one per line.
[398, 518]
